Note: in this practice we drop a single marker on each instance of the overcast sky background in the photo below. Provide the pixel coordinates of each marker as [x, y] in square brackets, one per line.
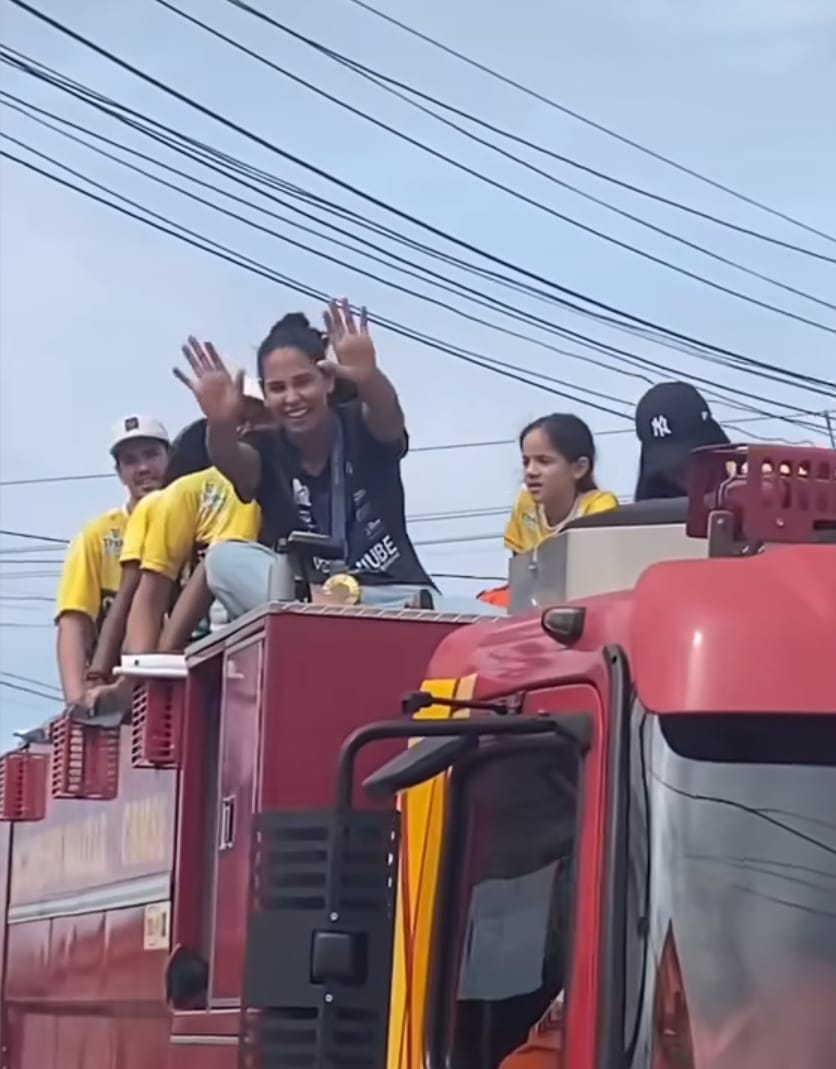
[94, 306]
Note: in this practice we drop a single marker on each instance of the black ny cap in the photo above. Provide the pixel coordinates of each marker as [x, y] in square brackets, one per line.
[672, 419]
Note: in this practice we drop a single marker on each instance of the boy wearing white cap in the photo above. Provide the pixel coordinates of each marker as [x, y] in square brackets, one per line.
[163, 547]
[90, 576]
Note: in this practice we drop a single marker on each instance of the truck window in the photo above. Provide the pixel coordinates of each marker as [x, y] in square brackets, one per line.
[501, 959]
[741, 949]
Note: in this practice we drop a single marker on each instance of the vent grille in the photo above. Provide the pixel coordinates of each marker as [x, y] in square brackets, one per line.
[85, 759]
[23, 777]
[319, 941]
[156, 723]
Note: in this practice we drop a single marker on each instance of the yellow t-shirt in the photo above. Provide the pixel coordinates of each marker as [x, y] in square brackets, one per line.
[193, 513]
[90, 575]
[528, 527]
[136, 529]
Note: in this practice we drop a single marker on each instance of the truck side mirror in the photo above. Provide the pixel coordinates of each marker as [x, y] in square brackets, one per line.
[423, 761]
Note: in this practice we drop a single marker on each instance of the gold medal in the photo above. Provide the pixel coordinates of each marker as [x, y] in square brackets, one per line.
[344, 589]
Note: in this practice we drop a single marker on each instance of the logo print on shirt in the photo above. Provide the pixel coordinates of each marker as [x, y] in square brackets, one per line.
[212, 498]
[380, 556]
[113, 542]
[659, 427]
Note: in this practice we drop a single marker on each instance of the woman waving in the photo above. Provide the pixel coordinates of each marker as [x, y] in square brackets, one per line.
[329, 468]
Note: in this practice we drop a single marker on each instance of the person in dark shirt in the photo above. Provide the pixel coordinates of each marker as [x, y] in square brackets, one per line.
[330, 466]
[672, 420]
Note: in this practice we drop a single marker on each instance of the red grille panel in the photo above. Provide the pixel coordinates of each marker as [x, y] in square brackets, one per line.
[156, 723]
[23, 777]
[85, 759]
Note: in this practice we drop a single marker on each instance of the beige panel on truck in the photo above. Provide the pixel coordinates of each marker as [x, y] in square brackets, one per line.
[588, 559]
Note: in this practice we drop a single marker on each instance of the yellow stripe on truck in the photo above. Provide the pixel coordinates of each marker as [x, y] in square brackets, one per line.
[422, 824]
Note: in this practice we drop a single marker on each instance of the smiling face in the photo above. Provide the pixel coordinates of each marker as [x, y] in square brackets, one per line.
[296, 391]
[141, 465]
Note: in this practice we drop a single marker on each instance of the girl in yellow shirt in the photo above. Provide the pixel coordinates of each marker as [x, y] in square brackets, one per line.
[558, 455]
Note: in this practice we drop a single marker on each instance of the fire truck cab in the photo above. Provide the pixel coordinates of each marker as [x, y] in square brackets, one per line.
[595, 836]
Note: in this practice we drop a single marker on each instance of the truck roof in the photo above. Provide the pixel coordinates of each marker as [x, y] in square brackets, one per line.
[731, 635]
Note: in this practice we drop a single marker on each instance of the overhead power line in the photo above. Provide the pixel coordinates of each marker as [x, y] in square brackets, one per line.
[173, 229]
[399, 213]
[35, 682]
[190, 237]
[481, 176]
[512, 371]
[600, 127]
[37, 538]
[40, 480]
[489, 362]
[392, 85]
[466, 291]
[619, 354]
[386, 81]
[220, 162]
[46, 695]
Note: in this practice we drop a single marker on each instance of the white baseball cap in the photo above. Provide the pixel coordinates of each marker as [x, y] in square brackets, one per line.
[131, 427]
[252, 387]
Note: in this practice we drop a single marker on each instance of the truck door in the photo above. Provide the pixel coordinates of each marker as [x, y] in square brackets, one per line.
[503, 945]
[238, 782]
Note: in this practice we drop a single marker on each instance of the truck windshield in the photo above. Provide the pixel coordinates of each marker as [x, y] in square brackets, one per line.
[513, 817]
[740, 824]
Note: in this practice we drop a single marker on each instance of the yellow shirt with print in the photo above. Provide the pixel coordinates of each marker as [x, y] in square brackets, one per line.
[528, 527]
[193, 513]
[136, 529]
[91, 572]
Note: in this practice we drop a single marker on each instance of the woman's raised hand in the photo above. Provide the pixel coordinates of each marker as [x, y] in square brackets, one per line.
[351, 343]
[220, 396]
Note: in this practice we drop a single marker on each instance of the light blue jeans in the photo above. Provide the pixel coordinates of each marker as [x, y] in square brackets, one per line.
[238, 574]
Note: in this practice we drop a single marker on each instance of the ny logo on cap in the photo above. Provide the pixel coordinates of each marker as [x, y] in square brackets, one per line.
[659, 427]
[132, 423]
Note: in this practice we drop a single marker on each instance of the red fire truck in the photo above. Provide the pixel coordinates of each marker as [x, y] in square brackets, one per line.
[597, 836]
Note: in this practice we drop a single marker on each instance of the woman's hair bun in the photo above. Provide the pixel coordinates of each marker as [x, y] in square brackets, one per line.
[293, 319]
[293, 331]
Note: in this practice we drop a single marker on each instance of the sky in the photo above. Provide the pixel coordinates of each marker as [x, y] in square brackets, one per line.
[94, 305]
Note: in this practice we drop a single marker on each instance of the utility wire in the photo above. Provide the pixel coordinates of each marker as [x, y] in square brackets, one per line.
[342, 262]
[600, 127]
[18, 686]
[461, 290]
[388, 84]
[196, 149]
[440, 447]
[214, 248]
[515, 372]
[379, 77]
[392, 209]
[29, 679]
[479, 175]
[28, 535]
[339, 261]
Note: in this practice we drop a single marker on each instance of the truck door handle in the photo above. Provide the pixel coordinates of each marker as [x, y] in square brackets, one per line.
[226, 835]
